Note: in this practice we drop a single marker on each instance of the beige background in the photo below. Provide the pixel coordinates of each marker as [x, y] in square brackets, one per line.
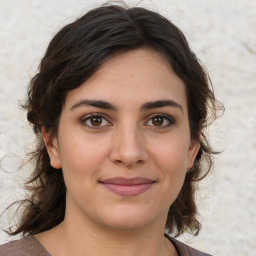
[223, 34]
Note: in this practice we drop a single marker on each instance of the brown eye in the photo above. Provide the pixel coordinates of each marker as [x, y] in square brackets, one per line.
[158, 121]
[96, 121]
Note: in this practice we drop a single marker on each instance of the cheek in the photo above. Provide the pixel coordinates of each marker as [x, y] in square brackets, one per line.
[173, 169]
[84, 158]
[171, 161]
[172, 153]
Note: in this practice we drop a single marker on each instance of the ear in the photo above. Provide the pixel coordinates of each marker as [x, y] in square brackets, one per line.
[194, 147]
[51, 145]
[192, 153]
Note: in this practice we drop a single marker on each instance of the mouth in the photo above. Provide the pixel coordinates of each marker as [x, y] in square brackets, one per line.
[128, 187]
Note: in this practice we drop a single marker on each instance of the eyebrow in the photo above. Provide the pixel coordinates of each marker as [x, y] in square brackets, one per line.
[160, 104]
[109, 106]
[94, 103]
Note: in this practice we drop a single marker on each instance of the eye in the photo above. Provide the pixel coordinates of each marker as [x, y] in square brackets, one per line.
[160, 121]
[95, 121]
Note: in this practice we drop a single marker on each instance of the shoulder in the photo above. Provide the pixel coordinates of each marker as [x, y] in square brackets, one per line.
[26, 246]
[185, 250]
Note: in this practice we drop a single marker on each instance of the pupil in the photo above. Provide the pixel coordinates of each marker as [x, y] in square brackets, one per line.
[157, 121]
[96, 121]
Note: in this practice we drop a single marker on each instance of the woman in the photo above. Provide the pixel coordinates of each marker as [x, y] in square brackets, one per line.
[119, 107]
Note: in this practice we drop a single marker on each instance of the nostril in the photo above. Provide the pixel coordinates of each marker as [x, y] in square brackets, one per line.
[128, 154]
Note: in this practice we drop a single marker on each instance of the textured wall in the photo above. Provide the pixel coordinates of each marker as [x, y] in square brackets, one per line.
[223, 34]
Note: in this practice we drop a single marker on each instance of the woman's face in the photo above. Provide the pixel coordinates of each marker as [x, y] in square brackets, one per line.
[124, 143]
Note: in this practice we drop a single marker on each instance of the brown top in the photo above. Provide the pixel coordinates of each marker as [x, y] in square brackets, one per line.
[30, 246]
[26, 246]
[182, 249]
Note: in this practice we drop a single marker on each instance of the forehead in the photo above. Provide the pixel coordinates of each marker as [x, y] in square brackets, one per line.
[133, 77]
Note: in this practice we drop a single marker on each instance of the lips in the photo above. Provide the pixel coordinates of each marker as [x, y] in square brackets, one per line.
[127, 187]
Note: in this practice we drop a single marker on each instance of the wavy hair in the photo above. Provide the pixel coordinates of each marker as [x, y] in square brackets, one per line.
[74, 54]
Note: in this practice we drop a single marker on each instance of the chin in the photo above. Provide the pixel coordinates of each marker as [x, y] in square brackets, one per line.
[124, 225]
[129, 219]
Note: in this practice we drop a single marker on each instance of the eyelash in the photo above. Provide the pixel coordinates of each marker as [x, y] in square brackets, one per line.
[88, 117]
[169, 119]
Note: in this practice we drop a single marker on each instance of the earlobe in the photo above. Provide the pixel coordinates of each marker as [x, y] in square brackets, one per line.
[51, 145]
[194, 148]
[193, 151]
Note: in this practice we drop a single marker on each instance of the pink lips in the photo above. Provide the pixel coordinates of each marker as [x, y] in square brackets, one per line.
[127, 187]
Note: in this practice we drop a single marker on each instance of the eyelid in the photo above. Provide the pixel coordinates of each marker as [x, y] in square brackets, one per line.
[83, 120]
[95, 114]
[168, 117]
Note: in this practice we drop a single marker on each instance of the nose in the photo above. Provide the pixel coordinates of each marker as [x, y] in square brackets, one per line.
[128, 148]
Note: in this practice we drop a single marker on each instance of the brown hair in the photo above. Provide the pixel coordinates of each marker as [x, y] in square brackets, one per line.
[73, 55]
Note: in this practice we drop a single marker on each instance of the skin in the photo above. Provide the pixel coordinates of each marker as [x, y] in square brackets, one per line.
[132, 139]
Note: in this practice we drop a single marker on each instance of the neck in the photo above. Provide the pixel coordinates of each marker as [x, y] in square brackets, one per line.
[106, 241]
[69, 239]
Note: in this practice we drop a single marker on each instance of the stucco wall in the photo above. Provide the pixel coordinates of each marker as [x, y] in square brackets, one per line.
[223, 34]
